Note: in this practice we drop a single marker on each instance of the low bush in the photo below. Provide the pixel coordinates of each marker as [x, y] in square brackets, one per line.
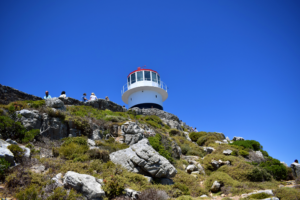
[98, 154]
[189, 148]
[185, 148]
[259, 196]
[210, 137]
[156, 143]
[17, 151]
[244, 153]
[275, 168]
[4, 166]
[175, 132]
[222, 178]
[153, 193]
[113, 186]
[286, 193]
[259, 175]
[74, 148]
[250, 144]
[196, 135]
[114, 118]
[11, 129]
[111, 145]
[30, 135]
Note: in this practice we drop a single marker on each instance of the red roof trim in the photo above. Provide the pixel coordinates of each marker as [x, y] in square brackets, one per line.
[142, 70]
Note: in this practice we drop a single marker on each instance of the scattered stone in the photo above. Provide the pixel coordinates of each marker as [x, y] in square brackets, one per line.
[7, 155]
[27, 151]
[296, 169]
[187, 136]
[271, 198]
[227, 138]
[58, 180]
[204, 195]
[219, 163]
[91, 142]
[190, 168]
[166, 181]
[237, 138]
[208, 149]
[131, 193]
[88, 185]
[10, 141]
[142, 158]
[227, 152]
[38, 169]
[215, 187]
[149, 179]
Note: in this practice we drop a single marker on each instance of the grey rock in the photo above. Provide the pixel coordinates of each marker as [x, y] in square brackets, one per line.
[296, 169]
[142, 158]
[58, 180]
[259, 191]
[200, 168]
[215, 187]
[131, 193]
[227, 152]
[154, 111]
[215, 164]
[204, 195]
[88, 185]
[256, 156]
[149, 179]
[271, 198]
[227, 138]
[53, 128]
[11, 141]
[225, 141]
[190, 168]
[102, 104]
[235, 138]
[38, 168]
[208, 149]
[31, 119]
[91, 142]
[97, 135]
[166, 181]
[55, 103]
[7, 155]
[132, 132]
[218, 142]
[172, 124]
[176, 150]
[194, 158]
[187, 136]
[26, 151]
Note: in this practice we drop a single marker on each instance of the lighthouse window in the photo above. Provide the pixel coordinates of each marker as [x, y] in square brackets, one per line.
[147, 76]
[132, 78]
[139, 76]
[158, 78]
[128, 80]
[154, 79]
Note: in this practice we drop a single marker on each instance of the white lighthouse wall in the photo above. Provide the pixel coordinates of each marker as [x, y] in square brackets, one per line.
[145, 96]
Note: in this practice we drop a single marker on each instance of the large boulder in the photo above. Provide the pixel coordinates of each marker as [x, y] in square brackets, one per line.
[227, 152]
[172, 124]
[132, 132]
[88, 185]
[55, 103]
[142, 158]
[31, 119]
[6, 153]
[296, 169]
[53, 128]
[176, 150]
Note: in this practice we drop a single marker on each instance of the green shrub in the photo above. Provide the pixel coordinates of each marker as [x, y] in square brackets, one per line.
[98, 154]
[30, 135]
[222, 178]
[11, 129]
[210, 137]
[35, 104]
[174, 132]
[185, 148]
[275, 168]
[113, 186]
[60, 193]
[114, 118]
[166, 126]
[111, 145]
[30, 193]
[56, 113]
[286, 193]
[259, 175]
[244, 153]
[265, 154]
[156, 143]
[74, 148]
[234, 153]
[250, 144]
[196, 135]
[259, 196]
[153, 120]
[4, 165]
[17, 151]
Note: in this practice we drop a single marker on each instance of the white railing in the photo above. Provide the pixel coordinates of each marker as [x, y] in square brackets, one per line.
[155, 84]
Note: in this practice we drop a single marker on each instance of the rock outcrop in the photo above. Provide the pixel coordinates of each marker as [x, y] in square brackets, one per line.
[9, 94]
[296, 169]
[55, 103]
[215, 187]
[142, 158]
[6, 153]
[88, 185]
[53, 127]
[31, 119]
[269, 192]
[235, 138]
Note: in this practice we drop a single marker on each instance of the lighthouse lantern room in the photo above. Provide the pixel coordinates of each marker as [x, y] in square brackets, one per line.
[144, 89]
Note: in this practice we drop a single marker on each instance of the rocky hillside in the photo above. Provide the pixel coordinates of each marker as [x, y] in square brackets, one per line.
[65, 149]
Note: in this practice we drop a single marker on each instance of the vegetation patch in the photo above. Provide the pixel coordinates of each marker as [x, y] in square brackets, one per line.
[248, 144]
[156, 143]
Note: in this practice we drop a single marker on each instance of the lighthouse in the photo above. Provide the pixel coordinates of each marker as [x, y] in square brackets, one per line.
[144, 89]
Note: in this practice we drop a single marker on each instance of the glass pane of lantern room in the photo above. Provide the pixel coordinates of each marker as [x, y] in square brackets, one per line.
[154, 79]
[147, 76]
[128, 80]
[158, 78]
[132, 78]
[139, 76]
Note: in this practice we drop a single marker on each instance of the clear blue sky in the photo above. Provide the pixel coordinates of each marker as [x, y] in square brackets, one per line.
[231, 66]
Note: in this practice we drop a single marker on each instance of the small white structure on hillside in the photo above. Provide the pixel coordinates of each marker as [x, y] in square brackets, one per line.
[144, 89]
